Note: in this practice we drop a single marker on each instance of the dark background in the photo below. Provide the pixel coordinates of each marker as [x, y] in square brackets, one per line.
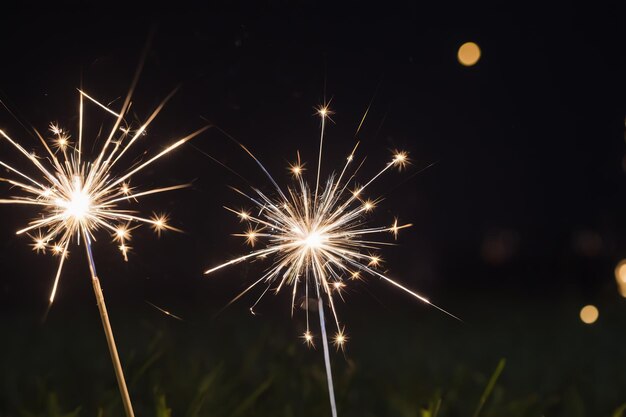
[518, 225]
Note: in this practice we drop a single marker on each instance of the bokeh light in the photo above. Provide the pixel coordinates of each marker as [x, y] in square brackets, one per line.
[589, 314]
[468, 54]
[620, 277]
[620, 271]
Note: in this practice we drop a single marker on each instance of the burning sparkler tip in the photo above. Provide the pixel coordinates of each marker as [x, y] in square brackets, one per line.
[79, 197]
[316, 234]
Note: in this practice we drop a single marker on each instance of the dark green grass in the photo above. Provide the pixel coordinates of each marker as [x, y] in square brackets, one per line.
[509, 360]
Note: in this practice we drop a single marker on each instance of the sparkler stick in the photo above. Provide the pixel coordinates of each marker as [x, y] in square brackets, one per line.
[108, 331]
[317, 237]
[329, 372]
[78, 197]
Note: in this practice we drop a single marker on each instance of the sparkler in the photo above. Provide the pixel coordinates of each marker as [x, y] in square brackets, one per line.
[77, 198]
[318, 239]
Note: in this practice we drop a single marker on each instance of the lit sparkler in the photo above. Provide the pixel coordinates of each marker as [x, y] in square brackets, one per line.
[77, 198]
[318, 239]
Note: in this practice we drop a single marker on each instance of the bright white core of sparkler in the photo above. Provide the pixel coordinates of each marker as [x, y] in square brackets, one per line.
[313, 240]
[317, 237]
[78, 204]
[78, 197]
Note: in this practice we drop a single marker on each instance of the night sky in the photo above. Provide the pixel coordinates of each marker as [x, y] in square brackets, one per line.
[520, 220]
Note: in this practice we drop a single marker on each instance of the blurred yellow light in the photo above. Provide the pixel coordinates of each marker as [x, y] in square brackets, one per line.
[620, 272]
[589, 314]
[620, 277]
[468, 54]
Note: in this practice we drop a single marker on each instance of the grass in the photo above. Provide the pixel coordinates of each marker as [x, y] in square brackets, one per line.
[414, 365]
[207, 394]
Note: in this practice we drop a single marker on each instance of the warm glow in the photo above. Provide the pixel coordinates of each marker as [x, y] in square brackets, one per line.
[78, 204]
[121, 234]
[395, 228]
[251, 236]
[39, 245]
[159, 223]
[620, 272]
[308, 338]
[55, 129]
[620, 277]
[340, 339]
[468, 54]
[400, 159]
[78, 197]
[317, 236]
[297, 168]
[589, 314]
[314, 240]
[374, 261]
[323, 111]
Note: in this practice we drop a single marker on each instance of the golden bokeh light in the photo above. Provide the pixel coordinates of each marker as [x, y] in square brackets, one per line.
[589, 314]
[620, 277]
[620, 272]
[468, 54]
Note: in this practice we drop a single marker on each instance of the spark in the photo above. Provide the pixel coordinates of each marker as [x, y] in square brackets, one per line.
[297, 168]
[167, 313]
[338, 287]
[76, 197]
[317, 238]
[125, 188]
[122, 233]
[251, 236]
[395, 228]
[400, 159]
[57, 249]
[243, 215]
[324, 111]
[39, 244]
[308, 339]
[375, 260]
[369, 205]
[355, 276]
[61, 138]
[340, 339]
[159, 223]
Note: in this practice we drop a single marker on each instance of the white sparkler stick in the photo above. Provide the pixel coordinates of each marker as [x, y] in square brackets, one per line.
[108, 331]
[329, 373]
